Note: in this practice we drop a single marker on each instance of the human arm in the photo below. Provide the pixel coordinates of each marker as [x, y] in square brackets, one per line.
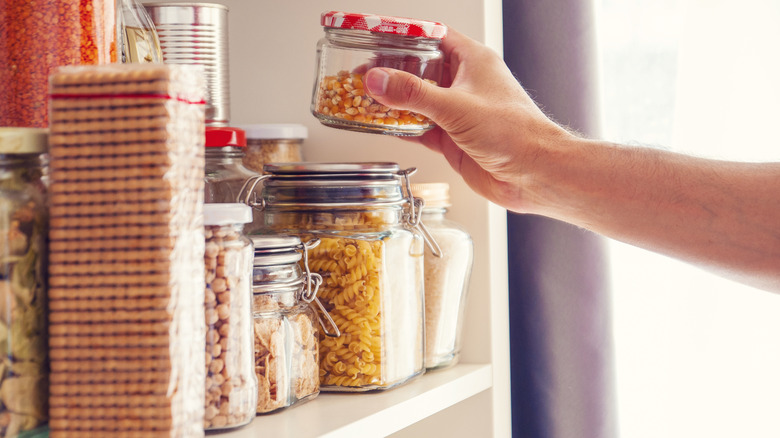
[723, 216]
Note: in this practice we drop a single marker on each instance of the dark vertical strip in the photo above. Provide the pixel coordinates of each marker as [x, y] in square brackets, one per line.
[561, 339]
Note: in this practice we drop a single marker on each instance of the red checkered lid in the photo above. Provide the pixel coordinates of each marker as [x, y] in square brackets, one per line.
[384, 24]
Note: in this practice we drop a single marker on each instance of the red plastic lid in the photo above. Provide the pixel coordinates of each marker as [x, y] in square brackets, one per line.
[384, 24]
[217, 137]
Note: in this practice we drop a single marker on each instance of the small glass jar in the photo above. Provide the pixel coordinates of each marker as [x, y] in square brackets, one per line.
[225, 170]
[446, 277]
[273, 143]
[286, 335]
[370, 259]
[354, 43]
[39, 36]
[24, 388]
[231, 385]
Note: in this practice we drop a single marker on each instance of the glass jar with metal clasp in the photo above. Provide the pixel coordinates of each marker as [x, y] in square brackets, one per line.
[285, 322]
[370, 258]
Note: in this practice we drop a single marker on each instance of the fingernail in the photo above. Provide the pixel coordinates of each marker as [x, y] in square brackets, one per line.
[376, 81]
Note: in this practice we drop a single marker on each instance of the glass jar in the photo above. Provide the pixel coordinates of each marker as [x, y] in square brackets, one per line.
[225, 171]
[446, 277]
[24, 366]
[286, 335]
[370, 259]
[231, 385]
[354, 43]
[39, 36]
[273, 143]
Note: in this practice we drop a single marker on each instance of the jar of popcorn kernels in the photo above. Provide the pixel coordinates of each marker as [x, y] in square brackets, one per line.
[354, 43]
[286, 341]
[273, 143]
[370, 257]
[231, 385]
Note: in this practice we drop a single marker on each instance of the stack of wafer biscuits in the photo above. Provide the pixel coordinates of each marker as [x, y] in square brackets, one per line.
[126, 324]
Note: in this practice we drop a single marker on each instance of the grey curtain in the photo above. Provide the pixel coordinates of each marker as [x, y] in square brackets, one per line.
[561, 341]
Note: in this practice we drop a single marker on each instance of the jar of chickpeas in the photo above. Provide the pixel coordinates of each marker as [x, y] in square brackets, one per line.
[354, 43]
[370, 257]
[286, 342]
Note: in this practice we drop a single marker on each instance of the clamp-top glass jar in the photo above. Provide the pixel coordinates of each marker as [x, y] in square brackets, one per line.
[353, 43]
[371, 261]
[286, 335]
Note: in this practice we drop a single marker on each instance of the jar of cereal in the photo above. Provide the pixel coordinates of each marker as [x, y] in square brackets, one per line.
[354, 43]
[273, 143]
[231, 385]
[371, 261]
[286, 335]
[446, 277]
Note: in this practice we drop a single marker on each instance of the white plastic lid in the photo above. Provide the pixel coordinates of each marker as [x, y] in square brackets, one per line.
[275, 131]
[23, 140]
[226, 214]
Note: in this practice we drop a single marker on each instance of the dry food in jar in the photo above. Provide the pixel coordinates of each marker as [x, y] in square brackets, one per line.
[39, 36]
[446, 277]
[370, 262]
[231, 385]
[24, 364]
[273, 143]
[286, 337]
[354, 43]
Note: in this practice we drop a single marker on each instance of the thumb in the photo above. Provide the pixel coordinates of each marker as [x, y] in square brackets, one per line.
[404, 91]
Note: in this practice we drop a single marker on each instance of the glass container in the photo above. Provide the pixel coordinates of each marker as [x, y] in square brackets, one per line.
[286, 334]
[36, 37]
[231, 385]
[371, 261]
[273, 143]
[446, 277]
[24, 366]
[354, 43]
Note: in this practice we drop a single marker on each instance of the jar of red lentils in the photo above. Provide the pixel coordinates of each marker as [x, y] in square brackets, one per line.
[354, 43]
[36, 37]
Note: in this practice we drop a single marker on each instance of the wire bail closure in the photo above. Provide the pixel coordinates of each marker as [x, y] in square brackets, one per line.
[311, 296]
[414, 217]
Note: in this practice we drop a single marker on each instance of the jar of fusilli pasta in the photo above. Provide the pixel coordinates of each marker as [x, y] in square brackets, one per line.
[370, 257]
[286, 335]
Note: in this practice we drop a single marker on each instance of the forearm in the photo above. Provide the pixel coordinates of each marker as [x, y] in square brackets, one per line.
[723, 216]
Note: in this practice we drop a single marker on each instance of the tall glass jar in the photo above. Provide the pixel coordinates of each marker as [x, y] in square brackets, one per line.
[231, 385]
[286, 335]
[36, 37]
[225, 170]
[24, 366]
[446, 277]
[370, 259]
[354, 43]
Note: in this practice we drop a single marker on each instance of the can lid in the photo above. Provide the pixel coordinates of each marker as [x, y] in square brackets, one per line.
[435, 195]
[384, 24]
[275, 131]
[217, 137]
[226, 214]
[24, 140]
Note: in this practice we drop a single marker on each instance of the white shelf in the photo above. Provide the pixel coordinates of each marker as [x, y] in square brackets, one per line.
[382, 413]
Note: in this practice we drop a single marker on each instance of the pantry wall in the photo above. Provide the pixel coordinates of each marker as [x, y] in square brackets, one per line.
[272, 48]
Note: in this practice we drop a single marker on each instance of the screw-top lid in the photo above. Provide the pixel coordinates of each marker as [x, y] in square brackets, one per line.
[226, 214]
[275, 131]
[384, 24]
[217, 137]
[436, 195]
[23, 140]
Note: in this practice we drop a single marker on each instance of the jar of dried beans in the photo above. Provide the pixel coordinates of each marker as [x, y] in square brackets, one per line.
[446, 277]
[353, 43]
[286, 335]
[24, 380]
[38, 36]
[370, 257]
[273, 143]
[231, 385]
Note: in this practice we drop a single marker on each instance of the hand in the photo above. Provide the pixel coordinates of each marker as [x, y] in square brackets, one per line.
[488, 128]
